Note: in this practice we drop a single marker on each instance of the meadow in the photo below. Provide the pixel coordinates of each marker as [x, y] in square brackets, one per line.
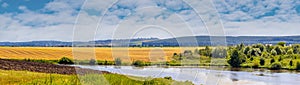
[10, 77]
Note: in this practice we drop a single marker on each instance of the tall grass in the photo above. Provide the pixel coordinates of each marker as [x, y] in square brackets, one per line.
[9, 77]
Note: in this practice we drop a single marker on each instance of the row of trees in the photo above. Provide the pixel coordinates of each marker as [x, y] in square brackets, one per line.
[259, 55]
[256, 55]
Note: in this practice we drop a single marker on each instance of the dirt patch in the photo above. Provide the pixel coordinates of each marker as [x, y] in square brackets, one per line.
[20, 65]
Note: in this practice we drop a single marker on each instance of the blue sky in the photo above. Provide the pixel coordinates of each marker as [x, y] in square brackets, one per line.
[30, 20]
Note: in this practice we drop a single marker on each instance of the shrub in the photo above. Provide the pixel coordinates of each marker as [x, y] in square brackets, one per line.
[168, 77]
[92, 62]
[138, 63]
[298, 66]
[118, 61]
[65, 60]
[275, 66]
[291, 63]
[234, 60]
[272, 60]
[262, 61]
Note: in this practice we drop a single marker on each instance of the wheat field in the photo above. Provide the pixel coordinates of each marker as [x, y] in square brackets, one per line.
[99, 53]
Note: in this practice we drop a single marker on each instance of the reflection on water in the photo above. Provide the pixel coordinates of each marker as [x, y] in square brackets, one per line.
[220, 76]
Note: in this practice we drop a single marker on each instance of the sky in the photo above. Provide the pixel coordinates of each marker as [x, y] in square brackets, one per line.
[62, 20]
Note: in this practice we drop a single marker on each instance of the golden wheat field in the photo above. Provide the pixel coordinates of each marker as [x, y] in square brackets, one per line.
[100, 53]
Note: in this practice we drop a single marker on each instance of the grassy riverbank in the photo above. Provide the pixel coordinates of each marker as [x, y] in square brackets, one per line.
[10, 77]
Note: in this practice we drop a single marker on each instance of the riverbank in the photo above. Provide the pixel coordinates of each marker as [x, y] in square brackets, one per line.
[16, 72]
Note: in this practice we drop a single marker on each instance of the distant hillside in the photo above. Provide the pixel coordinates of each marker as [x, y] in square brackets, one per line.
[230, 40]
[117, 42]
[180, 41]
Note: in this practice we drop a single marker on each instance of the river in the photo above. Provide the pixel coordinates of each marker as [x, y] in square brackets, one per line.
[207, 76]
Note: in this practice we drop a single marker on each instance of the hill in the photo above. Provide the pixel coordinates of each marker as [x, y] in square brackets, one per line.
[155, 42]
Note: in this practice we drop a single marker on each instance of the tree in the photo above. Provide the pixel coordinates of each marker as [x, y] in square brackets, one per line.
[298, 66]
[281, 44]
[262, 61]
[219, 52]
[291, 63]
[290, 51]
[278, 50]
[272, 60]
[273, 52]
[65, 60]
[246, 50]
[275, 66]
[92, 62]
[138, 63]
[118, 61]
[234, 60]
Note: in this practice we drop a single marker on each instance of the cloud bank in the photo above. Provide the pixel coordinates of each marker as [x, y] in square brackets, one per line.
[54, 20]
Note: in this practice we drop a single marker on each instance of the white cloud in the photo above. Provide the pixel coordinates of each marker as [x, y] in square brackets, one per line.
[248, 17]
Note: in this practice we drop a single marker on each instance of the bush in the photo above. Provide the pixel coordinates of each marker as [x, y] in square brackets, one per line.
[272, 60]
[118, 61]
[235, 60]
[92, 62]
[291, 63]
[65, 60]
[262, 61]
[168, 77]
[138, 63]
[275, 66]
[298, 66]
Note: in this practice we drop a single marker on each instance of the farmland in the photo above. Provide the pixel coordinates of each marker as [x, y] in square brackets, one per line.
[55, 53]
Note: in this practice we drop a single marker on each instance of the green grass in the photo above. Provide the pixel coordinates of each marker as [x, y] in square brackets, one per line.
[10, 77]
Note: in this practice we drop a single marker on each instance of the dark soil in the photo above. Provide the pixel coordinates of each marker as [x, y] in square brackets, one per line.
[20, 65]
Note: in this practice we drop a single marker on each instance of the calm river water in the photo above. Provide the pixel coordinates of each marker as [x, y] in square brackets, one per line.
[208, 76]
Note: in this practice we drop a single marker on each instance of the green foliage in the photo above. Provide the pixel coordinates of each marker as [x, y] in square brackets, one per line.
[272, 60]
[92, 62]
[168, 77]
[219, 52]
[206, 52]
[298, 66]
[290, 51]
[139, 63]
[118, 61]
[291, 63]
[278, 50]
[33, 78]
[281, 44]
[276, 66]
[234, 60]
[65, 60]
[262, 61]
[273, 52]
[247, 49]
[42, 61]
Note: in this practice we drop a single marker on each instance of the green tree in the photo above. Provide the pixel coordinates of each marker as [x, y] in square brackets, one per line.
[298, 66]
[262, 61]
[278, 50]
[291, 63]
[247, 49]
[235, 60]
[281, 44]
[65, 60]
[290, 51]
[276, 66]
[273, 52]
[118, 61]
[92, 62]
[272, 60]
